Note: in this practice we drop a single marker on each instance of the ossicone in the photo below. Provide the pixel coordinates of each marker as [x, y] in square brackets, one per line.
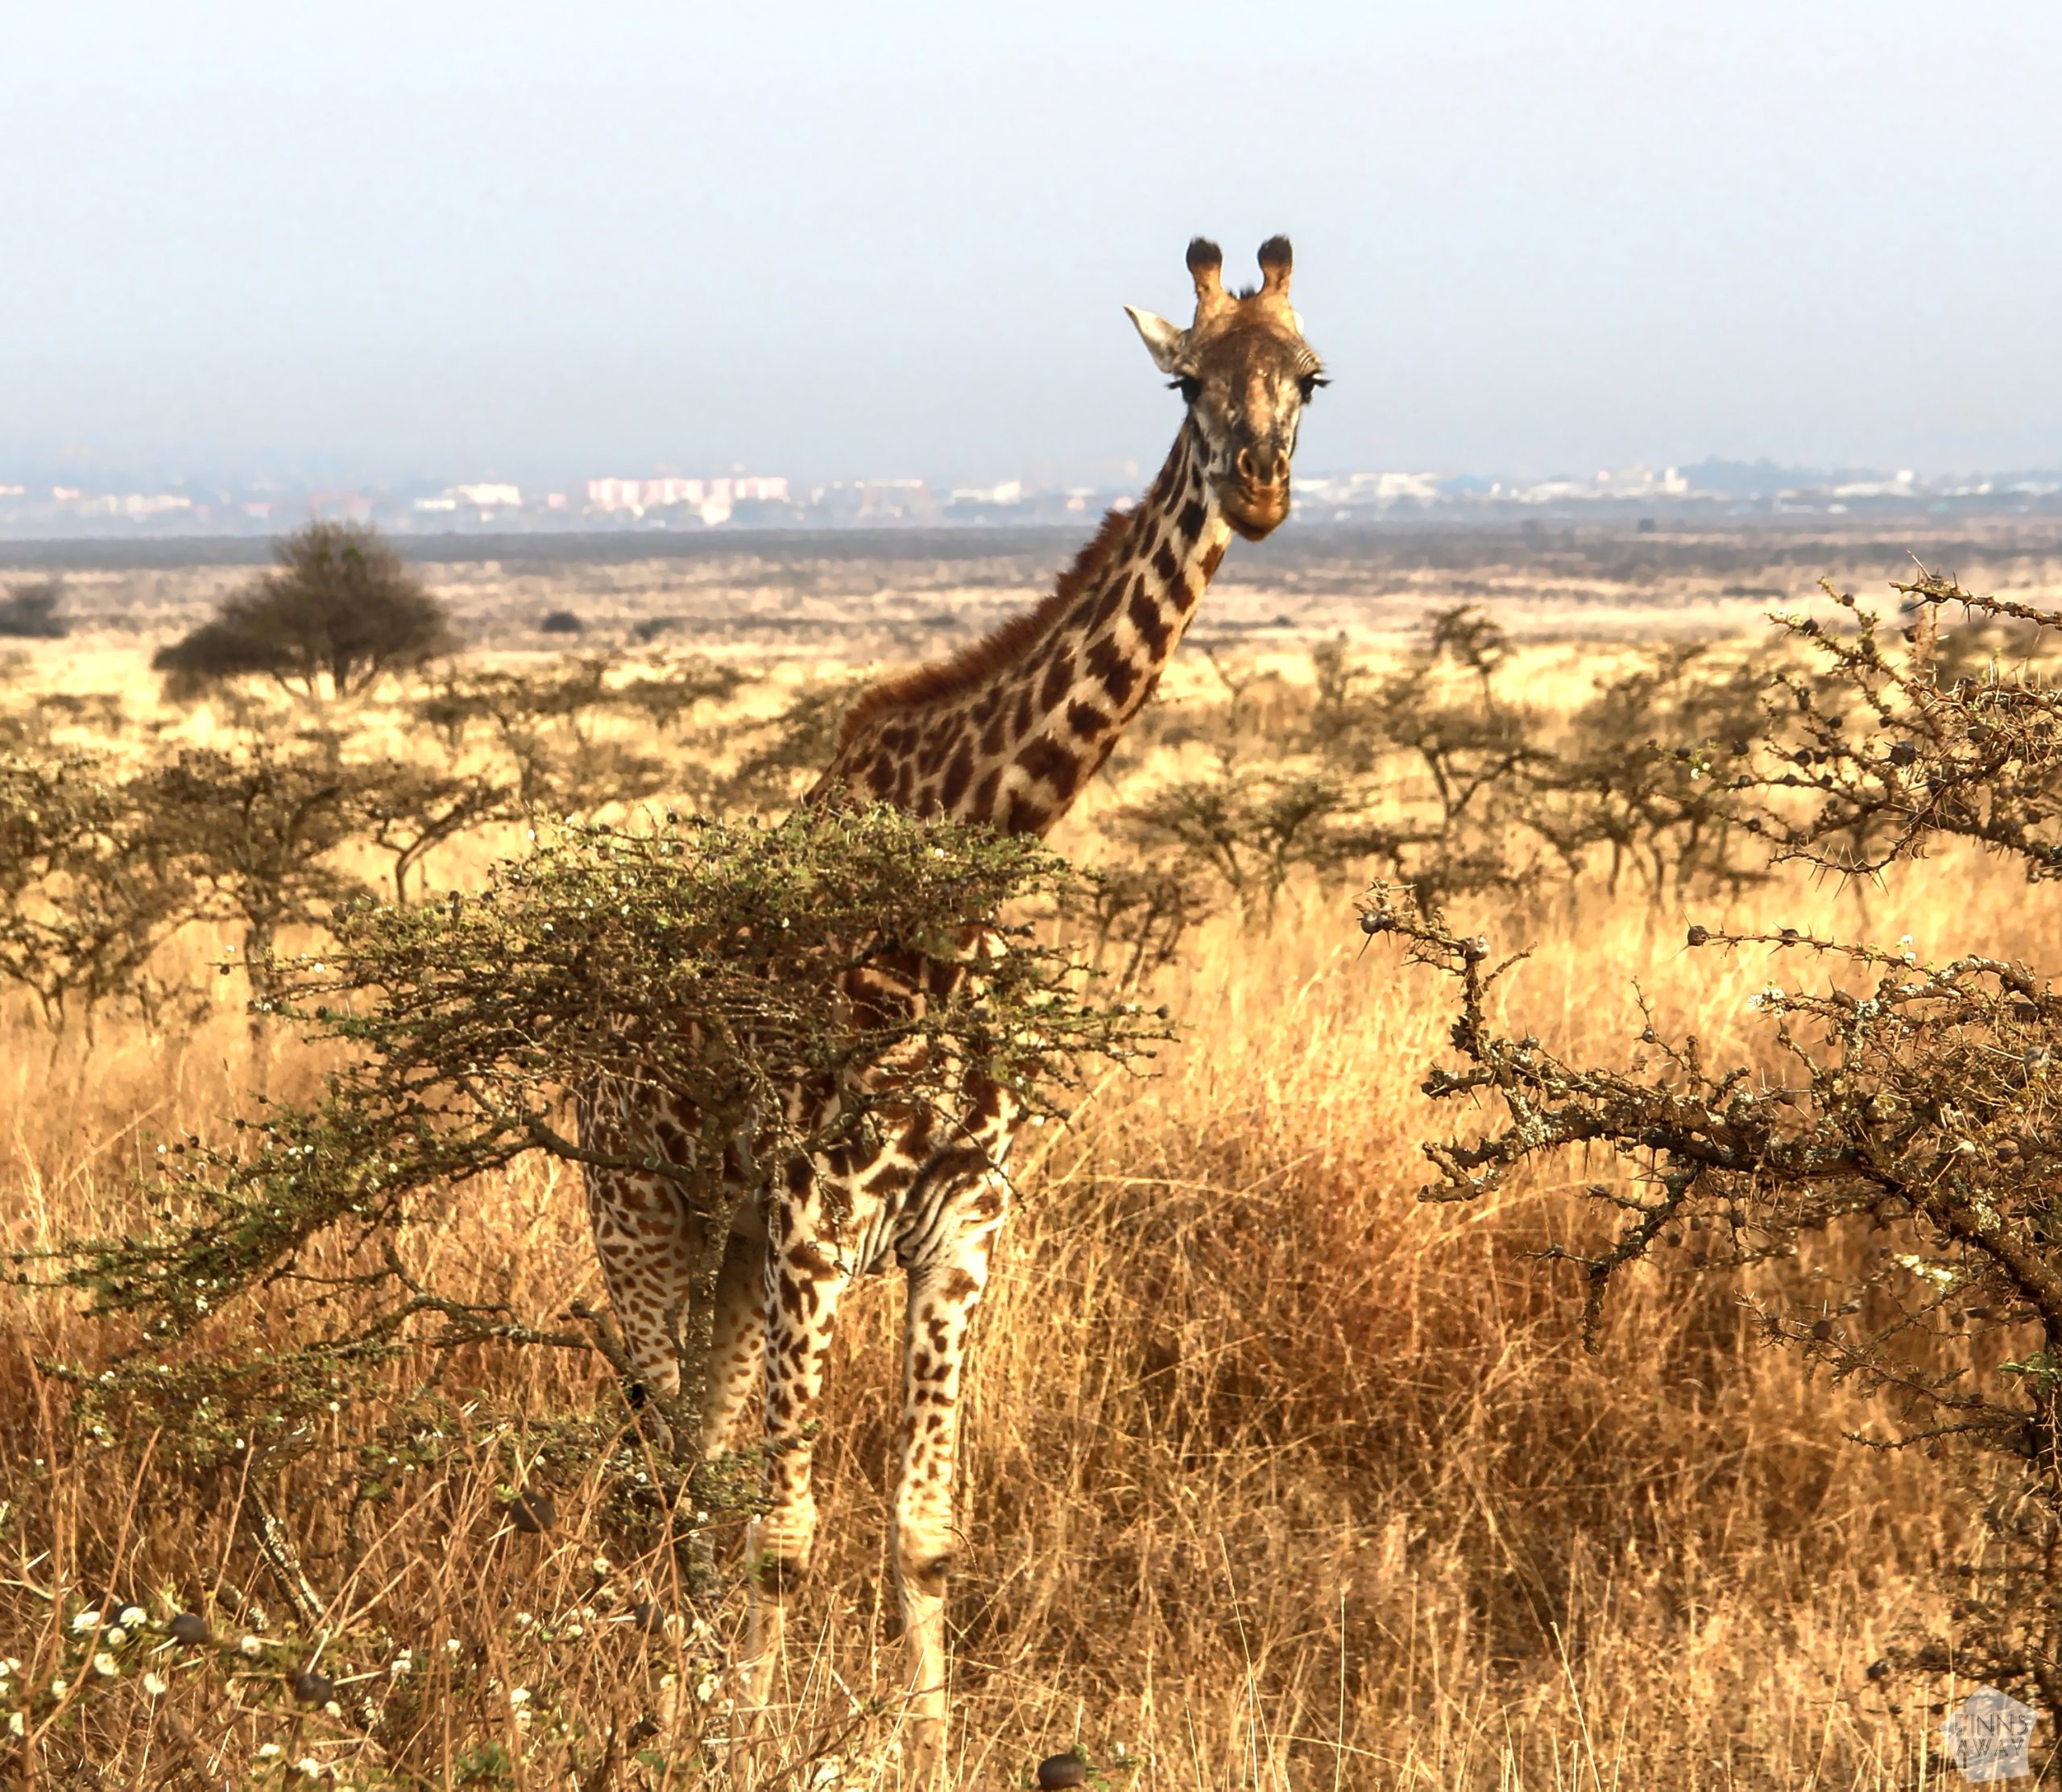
[1205, 263]
[1276, 260]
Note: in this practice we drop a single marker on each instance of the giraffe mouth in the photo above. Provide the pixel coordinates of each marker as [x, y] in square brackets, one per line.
[1254, 511]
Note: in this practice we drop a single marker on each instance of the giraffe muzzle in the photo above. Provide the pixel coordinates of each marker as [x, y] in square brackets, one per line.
[1256, 497]
[1255, 510]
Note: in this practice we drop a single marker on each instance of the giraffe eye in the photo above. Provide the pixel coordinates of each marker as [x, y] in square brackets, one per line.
[1190, 387]
[1309, 384]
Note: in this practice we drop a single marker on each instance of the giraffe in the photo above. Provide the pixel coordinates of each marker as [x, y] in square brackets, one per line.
[1005, 732]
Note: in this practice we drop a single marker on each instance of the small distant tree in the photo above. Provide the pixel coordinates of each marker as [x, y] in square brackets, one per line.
[561, 622]
[412, 810]
[259, 831]
[30, 612]
[89, 890]
[340, 605]
[788, 751]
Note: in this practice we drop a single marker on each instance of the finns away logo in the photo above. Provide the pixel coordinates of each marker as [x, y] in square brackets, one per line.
[1987, 1735]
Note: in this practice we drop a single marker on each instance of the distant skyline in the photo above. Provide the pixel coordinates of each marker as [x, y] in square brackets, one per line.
[518, 241]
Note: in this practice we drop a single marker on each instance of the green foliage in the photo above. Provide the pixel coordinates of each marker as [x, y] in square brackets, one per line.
[1253, 828]
[100, 866]
[340, 606]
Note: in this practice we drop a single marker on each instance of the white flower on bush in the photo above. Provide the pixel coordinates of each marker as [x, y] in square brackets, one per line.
[133, 1617]
[252, 1645]
[85, 1622]
[153, 1684]
[104, 1663]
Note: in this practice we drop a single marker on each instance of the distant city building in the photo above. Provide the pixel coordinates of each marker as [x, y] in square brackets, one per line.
[874, 501]
[1353, 490]
[713, 500]
[137, 506]
[490, 496]
[1007, 492]
[1899, 487]
[30, 508]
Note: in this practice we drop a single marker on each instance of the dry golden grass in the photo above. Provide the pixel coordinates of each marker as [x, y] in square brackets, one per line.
[1274, 1479]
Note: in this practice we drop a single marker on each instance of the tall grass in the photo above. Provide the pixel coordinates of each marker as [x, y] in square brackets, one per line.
[1274, 1479]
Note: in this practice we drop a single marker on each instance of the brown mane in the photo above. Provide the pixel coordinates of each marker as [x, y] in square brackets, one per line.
[979, 660]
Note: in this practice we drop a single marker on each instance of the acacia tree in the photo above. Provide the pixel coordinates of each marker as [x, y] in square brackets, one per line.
[340, 606]
[260, 832]
[1892, 1161]
[89, 887]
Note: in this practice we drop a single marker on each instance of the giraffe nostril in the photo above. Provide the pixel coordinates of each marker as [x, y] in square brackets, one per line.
[1244, 463]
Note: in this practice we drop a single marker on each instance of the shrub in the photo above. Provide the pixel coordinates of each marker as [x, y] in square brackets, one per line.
[340, 607]
[561, 622]
[30, 612]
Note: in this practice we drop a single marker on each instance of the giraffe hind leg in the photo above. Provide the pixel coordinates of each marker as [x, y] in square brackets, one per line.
[804, 1279]
[737, 1340]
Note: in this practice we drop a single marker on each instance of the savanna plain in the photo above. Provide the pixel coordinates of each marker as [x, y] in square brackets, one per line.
[1274, 1477]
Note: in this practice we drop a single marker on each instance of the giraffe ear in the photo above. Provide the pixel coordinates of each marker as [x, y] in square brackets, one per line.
[1167, 343]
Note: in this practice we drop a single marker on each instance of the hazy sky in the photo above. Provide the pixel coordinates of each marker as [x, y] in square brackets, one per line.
[568, 237]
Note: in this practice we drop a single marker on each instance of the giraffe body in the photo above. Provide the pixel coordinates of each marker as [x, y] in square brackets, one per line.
[1005, 733]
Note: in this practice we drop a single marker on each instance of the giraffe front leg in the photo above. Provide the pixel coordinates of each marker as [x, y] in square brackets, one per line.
[943, 1293]
[737, 1342]
[804, 1279]
[641, 1241]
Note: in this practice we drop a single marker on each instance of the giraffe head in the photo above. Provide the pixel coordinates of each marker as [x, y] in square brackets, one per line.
[1245, 373]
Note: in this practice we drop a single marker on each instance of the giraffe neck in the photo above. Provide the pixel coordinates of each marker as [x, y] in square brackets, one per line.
[1009, 731]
